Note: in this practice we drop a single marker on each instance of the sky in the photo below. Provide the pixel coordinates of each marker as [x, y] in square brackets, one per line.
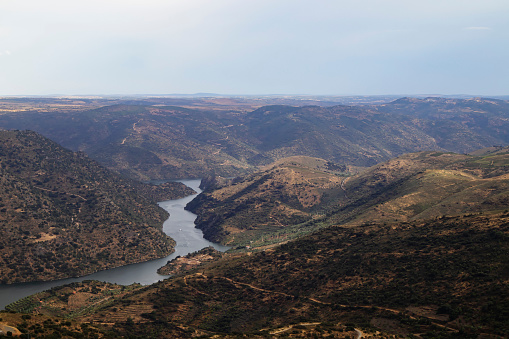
[319, 47]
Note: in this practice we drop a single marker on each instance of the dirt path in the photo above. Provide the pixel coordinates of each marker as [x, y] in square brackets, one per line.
[289, 327]
[256, 288]
[134, 129]
[275, 292]
[343, 186]
[196, 290]
[47, 190]
[4, 328]
[321, 302]
[276, 219]
[360, 334]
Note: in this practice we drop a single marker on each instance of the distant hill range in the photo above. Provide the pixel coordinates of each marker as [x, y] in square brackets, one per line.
[156, 141]
[64, 215]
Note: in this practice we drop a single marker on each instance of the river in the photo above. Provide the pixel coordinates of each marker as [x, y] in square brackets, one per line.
[179, 226]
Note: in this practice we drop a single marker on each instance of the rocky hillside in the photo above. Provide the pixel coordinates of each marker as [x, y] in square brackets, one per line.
[273, 205]
[437, 271]
[295, 196]
[145, 142]
[65, 215]
[425, 185]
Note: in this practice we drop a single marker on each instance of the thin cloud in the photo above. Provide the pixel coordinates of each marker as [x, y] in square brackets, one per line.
[478, 28]
[2, 53]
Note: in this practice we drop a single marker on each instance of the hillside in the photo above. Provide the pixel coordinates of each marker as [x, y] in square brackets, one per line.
[440, 278]
[64, 215]
[437, 271]
[145, 142]
[149, 140]
[296, 196]
[425, 185]
[349, 135]
[448, 121]
[273, 205]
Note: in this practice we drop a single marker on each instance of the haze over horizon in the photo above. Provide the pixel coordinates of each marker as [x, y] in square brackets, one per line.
[366, 47]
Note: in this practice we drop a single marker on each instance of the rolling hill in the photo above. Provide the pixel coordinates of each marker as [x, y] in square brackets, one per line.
[441, 278]
[416, 245]
[156, 142]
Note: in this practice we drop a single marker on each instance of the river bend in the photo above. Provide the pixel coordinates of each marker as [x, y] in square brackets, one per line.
[179, 226]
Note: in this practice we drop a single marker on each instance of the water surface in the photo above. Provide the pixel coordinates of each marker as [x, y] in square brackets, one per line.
[179, 226]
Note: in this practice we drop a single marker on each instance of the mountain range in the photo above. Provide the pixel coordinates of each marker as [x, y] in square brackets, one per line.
[159, 142]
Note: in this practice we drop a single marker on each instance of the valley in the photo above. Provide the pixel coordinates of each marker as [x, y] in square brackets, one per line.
[179, 226]
[375, 218]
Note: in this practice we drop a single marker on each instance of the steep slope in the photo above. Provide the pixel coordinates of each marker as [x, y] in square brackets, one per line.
[64, 215]
[273, 205]
[291, 198]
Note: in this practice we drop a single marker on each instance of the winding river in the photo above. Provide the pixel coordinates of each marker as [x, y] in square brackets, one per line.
[179, 226]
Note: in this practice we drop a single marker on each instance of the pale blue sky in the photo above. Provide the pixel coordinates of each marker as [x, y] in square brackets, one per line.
[254, 47]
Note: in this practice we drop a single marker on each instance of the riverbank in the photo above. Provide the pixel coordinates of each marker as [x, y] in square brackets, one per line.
[179, 226]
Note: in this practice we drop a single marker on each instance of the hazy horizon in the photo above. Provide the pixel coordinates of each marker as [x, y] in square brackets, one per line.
[268, 95]
[285, 47]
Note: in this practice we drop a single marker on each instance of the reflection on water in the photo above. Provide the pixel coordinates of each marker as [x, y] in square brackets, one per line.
[179, 226]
